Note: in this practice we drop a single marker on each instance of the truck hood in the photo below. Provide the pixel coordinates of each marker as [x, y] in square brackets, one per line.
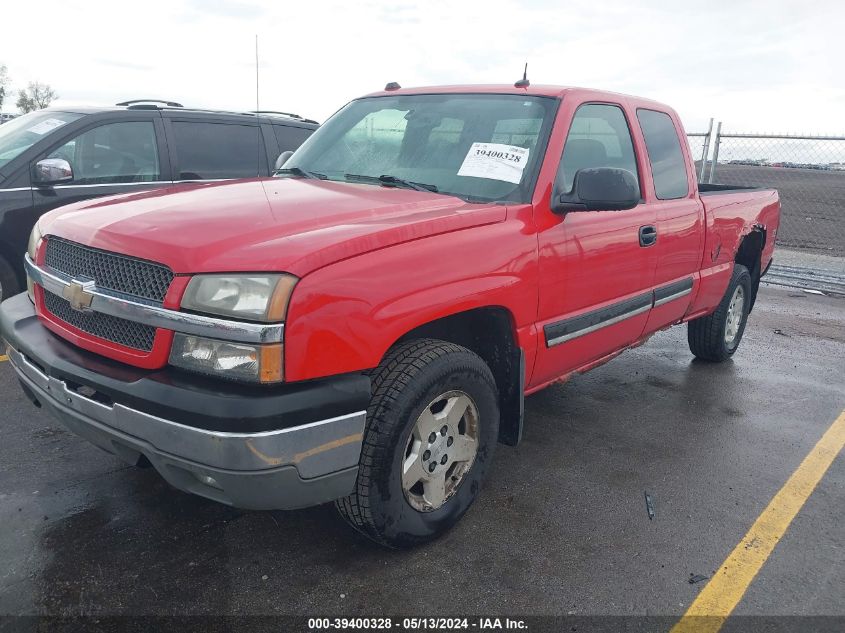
[271, 224]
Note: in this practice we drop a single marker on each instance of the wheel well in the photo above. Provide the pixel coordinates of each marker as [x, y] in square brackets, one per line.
[488, 332]
[749, 254]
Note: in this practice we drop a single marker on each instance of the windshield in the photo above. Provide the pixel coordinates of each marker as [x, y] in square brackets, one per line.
[21, 133]
[476, 146]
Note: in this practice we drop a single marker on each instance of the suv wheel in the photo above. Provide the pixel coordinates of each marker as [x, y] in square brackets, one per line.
[432, 426]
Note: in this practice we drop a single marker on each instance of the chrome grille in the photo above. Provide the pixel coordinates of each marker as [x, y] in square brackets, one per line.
[111, 271]
[105, 326]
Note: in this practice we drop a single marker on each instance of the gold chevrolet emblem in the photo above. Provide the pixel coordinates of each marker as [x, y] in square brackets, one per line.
[78, 296]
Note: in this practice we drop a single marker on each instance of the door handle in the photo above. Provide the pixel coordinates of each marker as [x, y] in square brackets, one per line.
[648, 235]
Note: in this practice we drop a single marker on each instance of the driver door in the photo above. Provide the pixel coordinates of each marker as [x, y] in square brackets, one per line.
[596, 269]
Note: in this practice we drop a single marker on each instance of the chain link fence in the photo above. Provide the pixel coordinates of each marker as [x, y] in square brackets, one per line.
[807, 171]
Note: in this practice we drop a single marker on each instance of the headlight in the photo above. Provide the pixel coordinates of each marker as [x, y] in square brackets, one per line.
[262, 298]
[31, 250]
[253, 297]
[236, 361]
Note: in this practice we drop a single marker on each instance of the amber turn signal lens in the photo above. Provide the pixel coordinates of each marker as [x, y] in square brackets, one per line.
[270, 368]
[278, 307]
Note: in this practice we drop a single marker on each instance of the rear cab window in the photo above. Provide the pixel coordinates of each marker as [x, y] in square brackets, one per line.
[668, 167]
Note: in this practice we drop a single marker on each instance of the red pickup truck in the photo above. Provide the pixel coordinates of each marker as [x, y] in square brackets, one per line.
[363, 327]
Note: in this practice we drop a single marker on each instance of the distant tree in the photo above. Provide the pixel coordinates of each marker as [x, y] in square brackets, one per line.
[4, 81]
[35, 97]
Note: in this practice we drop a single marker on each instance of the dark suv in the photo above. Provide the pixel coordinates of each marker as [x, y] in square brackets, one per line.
[57, 156]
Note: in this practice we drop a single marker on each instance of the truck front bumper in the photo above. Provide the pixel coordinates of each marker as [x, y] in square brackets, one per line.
[301, 448]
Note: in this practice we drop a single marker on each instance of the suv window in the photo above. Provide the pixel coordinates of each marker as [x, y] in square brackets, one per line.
[664, 154]
[290, 137]
[598, 137]
[113, 153]
[210, 151]
[21, 133]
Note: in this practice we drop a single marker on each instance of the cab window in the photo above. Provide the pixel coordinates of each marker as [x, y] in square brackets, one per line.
[598, 137]
[664, 154]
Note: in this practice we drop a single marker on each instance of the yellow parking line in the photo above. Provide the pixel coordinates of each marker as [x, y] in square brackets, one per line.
[3, 358]
[718, 599]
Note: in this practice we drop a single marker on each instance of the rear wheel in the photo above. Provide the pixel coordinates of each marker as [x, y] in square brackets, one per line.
[432, 426]
[8, 281]
[716, 337]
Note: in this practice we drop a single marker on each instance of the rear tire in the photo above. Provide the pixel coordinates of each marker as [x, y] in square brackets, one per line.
[8, 280]
[716, 337]
[433, 419]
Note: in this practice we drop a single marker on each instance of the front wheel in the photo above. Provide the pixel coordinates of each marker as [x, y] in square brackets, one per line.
[432, 426]
[715, 337]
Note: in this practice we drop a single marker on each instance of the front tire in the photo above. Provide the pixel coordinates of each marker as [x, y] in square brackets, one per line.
[716, 337]
[432, 427]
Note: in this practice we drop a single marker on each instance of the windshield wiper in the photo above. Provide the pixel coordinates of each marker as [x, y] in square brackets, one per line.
[393, 180]
[298, 171]
[419, 186]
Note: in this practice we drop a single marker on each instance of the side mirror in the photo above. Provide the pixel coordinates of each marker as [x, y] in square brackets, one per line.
[600, 189]
[51, 171]
[282, 159]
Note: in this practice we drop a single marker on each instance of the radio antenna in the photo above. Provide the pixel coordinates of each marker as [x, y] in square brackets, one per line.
[257, 107]
[257, 110]
[523, 83]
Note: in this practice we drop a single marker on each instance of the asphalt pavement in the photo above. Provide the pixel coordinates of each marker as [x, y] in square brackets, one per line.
[561, 526]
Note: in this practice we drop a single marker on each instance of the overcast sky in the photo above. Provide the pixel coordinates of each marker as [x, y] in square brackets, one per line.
[758, 66]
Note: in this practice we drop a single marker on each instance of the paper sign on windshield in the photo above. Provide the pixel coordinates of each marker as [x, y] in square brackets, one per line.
[495, 161]
[47, 125]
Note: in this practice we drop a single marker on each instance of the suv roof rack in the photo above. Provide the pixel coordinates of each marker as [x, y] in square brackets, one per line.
[133, 103]
[287, 114]
[159, 104]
